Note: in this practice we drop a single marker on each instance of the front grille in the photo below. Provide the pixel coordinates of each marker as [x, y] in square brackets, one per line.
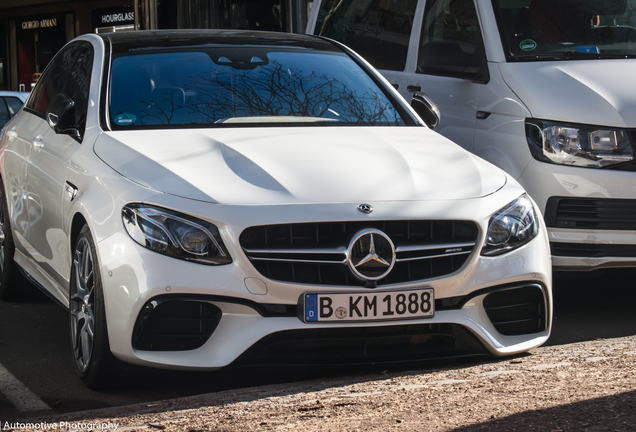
[174, 324]
[315, 253]
[355, 345]
[592, 250]
[517, 311]
[591, 213]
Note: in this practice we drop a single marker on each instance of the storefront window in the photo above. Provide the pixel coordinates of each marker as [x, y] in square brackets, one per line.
[269, 15]
[39, 39]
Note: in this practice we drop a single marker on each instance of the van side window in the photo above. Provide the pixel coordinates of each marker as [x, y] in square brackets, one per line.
[451, 43]
[378, 30]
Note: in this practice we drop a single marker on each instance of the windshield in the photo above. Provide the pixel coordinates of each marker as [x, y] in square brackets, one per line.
[242, 86]
[567, 29]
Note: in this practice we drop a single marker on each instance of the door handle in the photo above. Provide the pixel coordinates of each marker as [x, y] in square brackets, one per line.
[414, 88]
[37, 142]
[11, 133]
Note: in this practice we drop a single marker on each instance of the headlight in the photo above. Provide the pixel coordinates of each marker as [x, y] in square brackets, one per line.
[511, 227]
[175, 234]
[578, 145]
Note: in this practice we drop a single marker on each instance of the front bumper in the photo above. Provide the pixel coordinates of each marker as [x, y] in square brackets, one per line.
[603, 233]
[135, 276]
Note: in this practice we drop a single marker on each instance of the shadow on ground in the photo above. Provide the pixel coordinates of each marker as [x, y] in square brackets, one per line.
[611, 413]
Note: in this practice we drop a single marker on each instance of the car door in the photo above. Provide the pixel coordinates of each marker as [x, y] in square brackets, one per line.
[20, 134]
[451, 66]
[49, 160]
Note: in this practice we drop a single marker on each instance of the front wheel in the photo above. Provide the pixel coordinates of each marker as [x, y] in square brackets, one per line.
[95, 363]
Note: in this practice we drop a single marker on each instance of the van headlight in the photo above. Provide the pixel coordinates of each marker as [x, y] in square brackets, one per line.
[174, 234]
[578, 145]
[511, 227]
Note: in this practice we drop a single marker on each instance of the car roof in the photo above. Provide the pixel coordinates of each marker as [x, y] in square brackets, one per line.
[149, 40]
[20, 95]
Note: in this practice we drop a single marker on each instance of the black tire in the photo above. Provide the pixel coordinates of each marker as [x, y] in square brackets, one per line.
[93, 359]
[8, 269]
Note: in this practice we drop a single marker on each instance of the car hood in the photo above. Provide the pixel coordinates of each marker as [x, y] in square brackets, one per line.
[583, 91]
[299, 164]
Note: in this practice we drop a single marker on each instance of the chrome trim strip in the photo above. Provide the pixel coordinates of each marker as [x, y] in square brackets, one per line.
[433, 247]
[297, 251]
[432, 256]
[344, 261]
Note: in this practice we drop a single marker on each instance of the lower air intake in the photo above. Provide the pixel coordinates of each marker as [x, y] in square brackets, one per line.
[175, 325]
[517, 311]
[357, 345]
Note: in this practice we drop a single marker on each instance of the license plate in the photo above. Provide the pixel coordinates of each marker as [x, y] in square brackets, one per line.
[375, 306]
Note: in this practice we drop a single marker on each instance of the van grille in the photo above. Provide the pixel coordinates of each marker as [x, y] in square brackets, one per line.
[316, 253]
[591, 213]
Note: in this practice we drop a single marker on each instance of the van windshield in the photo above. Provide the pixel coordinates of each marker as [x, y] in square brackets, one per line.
[534, 30]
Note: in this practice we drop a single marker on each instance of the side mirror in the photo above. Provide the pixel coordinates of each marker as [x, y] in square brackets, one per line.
[61, 116]
[426, 109]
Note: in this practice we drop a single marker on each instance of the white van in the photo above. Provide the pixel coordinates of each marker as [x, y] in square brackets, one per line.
[545, 89]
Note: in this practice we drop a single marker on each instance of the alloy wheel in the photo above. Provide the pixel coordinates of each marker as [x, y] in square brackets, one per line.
[83, 305]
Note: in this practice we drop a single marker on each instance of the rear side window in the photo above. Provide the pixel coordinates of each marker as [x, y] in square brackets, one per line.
[378, 30]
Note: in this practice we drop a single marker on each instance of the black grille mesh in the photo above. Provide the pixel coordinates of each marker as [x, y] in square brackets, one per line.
[352, 345]
[517, 311]
[175, 325]
[591, 213]
[334, 235]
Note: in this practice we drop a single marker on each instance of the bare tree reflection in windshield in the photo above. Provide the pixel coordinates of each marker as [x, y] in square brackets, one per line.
[276, 92]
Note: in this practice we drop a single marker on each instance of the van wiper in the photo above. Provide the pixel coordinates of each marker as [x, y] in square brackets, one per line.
[568, 55]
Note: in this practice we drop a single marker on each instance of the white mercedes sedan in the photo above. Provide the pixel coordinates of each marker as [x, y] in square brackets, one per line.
[197, 199]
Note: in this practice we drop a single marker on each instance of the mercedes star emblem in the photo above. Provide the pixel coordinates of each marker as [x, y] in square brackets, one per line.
[371, 254]
[365, 208]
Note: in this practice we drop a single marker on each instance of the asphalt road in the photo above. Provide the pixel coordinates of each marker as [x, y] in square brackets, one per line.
[35, 347]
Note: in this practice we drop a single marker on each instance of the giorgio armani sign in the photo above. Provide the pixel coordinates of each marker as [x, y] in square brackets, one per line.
[39, 23]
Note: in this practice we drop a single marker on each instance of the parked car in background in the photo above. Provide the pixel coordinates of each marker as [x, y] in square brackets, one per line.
[202, 198]
[541, 88]
[10, 104]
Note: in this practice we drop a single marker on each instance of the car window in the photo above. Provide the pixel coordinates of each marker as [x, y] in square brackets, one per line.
[51, 83]
[68, 73]
[13, 104]
[5, 116]
[378, 30]
[451, 37]
[255, 85]
[78, 84]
